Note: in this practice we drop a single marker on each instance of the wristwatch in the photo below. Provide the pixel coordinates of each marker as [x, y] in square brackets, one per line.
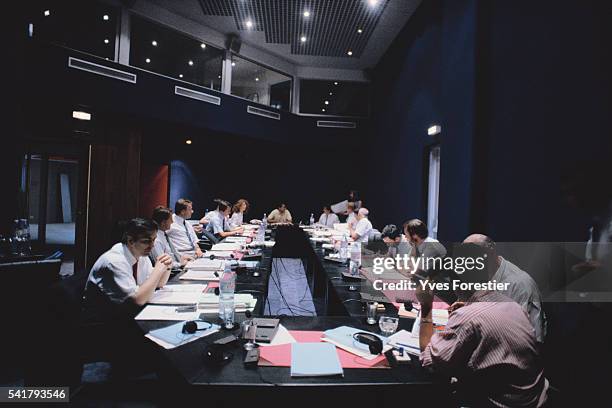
[425, 320]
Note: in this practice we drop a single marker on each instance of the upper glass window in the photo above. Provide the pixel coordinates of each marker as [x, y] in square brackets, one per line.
[85, 26]
[340, 98]
[260, 84]
[159, 49]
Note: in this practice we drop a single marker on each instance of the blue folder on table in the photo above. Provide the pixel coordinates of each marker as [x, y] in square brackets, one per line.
[314, 359]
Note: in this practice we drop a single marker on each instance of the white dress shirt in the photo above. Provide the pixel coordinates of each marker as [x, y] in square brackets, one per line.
[217, 223]
[163, 245]
[236, 220]
[351, 220]
[328, 219]
[182, 235]
[114, 275]
[363, 228]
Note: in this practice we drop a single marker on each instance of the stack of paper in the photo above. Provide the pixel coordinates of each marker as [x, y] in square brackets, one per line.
[314, 359]
[236, 239]
[163, 312]
[173, 336]
[205, 264]
[226, 246]
[178, 294]
[200, 275]
[209, 302]
[343, 337]
[406, 341]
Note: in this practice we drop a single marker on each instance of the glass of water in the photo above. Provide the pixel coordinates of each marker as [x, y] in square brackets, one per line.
[388, 325]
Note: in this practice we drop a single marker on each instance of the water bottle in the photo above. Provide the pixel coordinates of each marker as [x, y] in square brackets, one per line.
[261, 233]
[227, 286]
[355, 261]
[312, 220]
[344, 248]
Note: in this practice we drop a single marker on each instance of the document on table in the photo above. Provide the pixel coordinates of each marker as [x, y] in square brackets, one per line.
[282, 336]
[199, 275]
[236, 239]
[205, 264]
[343, 337]
[226, 246]
[405, 340]
[178, 294]
[164, 312]
[172, 336]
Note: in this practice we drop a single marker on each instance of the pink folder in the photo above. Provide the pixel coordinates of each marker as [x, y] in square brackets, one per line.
[280, 356]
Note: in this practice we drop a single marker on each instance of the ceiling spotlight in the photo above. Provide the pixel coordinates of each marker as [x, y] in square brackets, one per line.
[106, 41]
[219, 77]
[434, 130]
[233, 64]
[327, 102]
[256, 79]
[188, 141]
[47, 13]
[336, 83]
[203, 46]
[331, 93]
[303, 39]
[306, 13]
[323, 110]
[349, 53]
[81, 115]
[190, 62]
[249, 24]
[180, 75]
[154, 43]
[105, 17]
[148, 60]
[359, 31]
[373, 3]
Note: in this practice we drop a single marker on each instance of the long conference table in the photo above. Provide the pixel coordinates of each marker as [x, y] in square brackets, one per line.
[184, 370]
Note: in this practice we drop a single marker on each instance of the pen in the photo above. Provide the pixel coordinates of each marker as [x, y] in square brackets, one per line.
[408, 345]
[183, 309]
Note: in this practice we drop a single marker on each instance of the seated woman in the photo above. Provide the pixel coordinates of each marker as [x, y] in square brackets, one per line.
[238, 211]
[328, 218]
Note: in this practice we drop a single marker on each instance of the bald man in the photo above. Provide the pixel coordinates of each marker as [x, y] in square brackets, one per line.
[522, 289]
[361, 232]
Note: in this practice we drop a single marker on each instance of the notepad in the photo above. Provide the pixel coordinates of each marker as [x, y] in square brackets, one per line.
[226, 246]
[314, 360]
[200, 275]
[203, 264]
[178, 294]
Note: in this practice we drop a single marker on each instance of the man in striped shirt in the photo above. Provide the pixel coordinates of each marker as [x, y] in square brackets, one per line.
[488, 344]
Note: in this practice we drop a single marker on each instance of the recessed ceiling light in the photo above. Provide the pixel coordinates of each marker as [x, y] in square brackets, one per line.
[106, 41]
[154, 43]
[81, 115]
[105, 17]
[306, 13]
[323, 110]
[303, 39]
[336, 83]
[148, 60]
[203, 46]
[331, 93]
[47, 13]
[327, 102]
[233, 64]
[190, 62]
[219, 77]
[256, 79]
[373, 3]
[180, 75]
[188, 141]
[249, 24]
[349, 53]
[359, 31]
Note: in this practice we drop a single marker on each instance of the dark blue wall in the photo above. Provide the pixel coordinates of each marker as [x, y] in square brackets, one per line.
[426, 78]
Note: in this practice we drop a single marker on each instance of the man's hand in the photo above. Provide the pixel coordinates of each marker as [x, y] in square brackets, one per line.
[198, 228]
[425, 298]
[163, 262]
[185, 259]
[455, 306]
[198, 252]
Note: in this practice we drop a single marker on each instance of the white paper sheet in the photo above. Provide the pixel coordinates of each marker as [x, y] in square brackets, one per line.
[225, 246]
[282, 336]
[199, 275]
[162, 312]
[205, 264]
[341, 207]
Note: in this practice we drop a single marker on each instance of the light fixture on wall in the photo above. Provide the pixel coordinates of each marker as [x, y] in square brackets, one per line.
[188, 141]
[434, 130]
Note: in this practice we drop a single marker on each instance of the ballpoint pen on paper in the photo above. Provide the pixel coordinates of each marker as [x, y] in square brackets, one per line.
[183, 309]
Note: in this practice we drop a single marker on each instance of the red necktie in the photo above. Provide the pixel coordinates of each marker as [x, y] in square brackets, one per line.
[135, 271]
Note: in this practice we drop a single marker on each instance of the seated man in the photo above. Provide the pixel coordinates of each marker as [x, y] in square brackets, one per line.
[417, 233]
[124, 272]
[396, 241]
[181, 233]
[280, 215]
[218, 225]
[488, 342]
[361, 232]
[328, 218]
[162, 217]
[522, 289]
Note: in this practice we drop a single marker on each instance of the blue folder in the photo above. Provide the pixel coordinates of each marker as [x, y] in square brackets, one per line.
[314, 359]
